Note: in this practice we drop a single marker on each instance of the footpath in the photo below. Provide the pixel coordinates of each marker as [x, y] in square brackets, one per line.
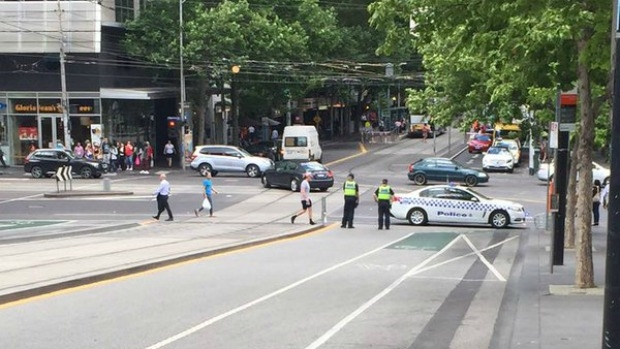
[541, 309]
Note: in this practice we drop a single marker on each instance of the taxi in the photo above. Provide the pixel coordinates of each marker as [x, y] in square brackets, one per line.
[455, 204]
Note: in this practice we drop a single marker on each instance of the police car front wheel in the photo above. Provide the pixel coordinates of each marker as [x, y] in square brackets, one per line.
[417, 216]
[499, 219]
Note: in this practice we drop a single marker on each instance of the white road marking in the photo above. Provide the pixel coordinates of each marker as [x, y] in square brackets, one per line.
[465, 255]
[495, 272]
[248, 305]
[340, 325]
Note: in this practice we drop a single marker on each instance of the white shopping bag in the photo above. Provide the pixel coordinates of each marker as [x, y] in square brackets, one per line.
[206, 204]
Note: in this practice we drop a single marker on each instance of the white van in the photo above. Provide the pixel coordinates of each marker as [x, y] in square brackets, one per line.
[301, 142]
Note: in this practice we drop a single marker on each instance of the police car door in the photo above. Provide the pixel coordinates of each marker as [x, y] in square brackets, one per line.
[468, 207]
[436, 203]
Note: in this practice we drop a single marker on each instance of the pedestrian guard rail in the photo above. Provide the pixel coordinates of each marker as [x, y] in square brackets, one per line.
[64, 175]
[372, 136]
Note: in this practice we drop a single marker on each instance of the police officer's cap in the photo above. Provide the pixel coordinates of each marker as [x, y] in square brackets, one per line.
[384, 181]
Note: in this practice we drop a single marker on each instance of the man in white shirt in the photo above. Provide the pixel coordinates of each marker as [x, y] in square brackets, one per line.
[162, 192]
[306, 203]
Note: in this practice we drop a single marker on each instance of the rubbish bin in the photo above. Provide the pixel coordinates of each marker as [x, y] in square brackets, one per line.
[536, 163]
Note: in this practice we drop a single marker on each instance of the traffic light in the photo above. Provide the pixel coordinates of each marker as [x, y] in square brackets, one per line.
[174, 125]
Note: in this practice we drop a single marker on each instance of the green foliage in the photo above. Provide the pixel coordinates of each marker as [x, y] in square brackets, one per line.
[486, 58]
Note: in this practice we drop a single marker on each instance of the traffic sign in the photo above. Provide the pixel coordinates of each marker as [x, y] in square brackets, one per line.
[63, 174]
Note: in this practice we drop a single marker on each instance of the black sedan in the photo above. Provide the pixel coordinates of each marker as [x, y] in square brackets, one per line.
[289, 174]
[45, 162]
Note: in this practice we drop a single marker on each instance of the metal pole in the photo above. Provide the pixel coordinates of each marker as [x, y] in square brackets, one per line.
[560, 179]
[611, 311]
[182, 78]
[63, 83]
[324, 210]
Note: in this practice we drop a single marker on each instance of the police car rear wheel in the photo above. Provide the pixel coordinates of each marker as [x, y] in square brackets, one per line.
[471, 181]
[419, 179]
[417, 216]
[499, 219]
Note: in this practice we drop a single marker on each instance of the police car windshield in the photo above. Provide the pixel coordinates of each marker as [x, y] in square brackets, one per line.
[479, 195]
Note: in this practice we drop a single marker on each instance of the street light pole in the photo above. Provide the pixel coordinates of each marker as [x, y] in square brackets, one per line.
[182, 78]
[64, 103]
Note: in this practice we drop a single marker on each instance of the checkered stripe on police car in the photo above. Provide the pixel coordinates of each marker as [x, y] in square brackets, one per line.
[446, 203]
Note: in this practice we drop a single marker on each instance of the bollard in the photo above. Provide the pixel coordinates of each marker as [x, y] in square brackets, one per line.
[324, 210]
[107, 185]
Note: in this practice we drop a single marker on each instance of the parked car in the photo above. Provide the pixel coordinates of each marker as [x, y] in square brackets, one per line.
[289, 174]
[498, 158]
[416, 130]
[227, 158]
[445, 170]
[45, 162]
[265, 149]
[514, 147]
[455, 204]
[479, 143]
[546, 171]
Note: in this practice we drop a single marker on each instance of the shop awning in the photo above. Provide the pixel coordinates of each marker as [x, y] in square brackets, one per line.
[148, 93]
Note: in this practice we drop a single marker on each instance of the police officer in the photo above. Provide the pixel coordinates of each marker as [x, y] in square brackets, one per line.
[351, 199]
[383, 197]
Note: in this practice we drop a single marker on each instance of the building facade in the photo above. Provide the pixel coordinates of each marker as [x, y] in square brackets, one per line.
[105, 91]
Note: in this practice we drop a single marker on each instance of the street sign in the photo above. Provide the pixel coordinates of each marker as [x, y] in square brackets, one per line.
[553, 135]
[63, 174]
[2, 105]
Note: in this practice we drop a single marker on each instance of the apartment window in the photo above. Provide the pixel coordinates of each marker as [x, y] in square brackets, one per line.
[124, 10]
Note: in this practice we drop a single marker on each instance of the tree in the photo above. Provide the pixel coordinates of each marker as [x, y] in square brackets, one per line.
[215, 38]
[494, 55]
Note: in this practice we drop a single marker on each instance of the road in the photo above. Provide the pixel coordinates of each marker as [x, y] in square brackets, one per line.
[442, 287]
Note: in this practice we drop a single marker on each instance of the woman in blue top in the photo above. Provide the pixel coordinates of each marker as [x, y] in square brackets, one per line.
[208, 192]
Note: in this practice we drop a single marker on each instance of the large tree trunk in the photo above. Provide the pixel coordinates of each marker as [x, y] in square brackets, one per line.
[584, 270]
[571, 202]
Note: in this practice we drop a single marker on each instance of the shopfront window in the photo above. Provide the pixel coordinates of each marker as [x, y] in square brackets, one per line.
[125, 120]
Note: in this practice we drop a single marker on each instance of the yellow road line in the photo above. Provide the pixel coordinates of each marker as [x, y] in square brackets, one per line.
[157, 269]
[363, 151]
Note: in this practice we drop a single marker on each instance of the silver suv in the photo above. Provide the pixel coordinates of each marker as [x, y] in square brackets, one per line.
[227, 158]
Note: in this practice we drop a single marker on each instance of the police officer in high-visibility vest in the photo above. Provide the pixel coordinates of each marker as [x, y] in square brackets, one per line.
[383, 196]
[351, 200]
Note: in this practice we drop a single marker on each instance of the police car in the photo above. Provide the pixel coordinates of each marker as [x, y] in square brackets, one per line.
[455, 204]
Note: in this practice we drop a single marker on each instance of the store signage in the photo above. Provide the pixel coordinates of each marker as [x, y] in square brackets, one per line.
[47, 108]
[2, 106]
[27, 133]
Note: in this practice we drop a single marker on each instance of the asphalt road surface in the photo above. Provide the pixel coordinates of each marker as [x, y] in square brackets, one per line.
[442, 287]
